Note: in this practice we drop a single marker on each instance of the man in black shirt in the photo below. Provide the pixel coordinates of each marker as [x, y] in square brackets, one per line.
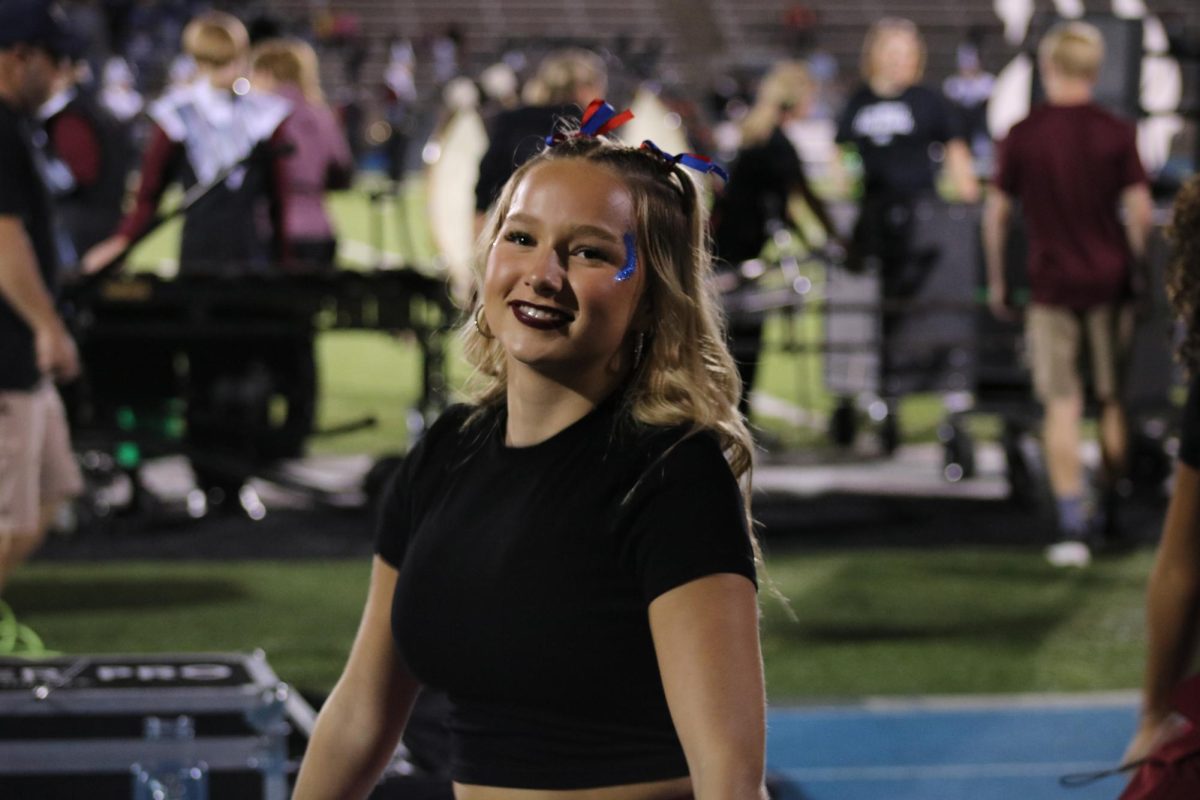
[37, 470]
[897, 126]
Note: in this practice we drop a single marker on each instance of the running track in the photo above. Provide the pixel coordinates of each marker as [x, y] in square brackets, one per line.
[938, 749]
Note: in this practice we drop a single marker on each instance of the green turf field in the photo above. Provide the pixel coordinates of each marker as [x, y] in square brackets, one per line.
[867, 622]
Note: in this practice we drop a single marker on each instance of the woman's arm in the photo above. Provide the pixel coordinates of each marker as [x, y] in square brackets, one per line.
[961, 168]
[817, 205]
[1172, 602]
[706, 638]
[360, 724]
[159, 165]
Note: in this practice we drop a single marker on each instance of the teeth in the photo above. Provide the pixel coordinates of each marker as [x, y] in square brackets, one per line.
[540, 313]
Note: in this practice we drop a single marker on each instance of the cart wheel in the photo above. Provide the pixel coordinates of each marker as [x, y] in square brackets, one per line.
[889, 433]
[843, 424]
[958, 451]
[221, 489]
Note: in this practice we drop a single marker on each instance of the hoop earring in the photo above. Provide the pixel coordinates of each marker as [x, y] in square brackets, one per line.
[639, 345]
[487, 334]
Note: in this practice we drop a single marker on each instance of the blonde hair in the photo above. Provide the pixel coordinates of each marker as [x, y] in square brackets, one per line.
[215, 39]
[788, 84]
[562, 73]
[290, 61]
[1074, 48]
[885, 27]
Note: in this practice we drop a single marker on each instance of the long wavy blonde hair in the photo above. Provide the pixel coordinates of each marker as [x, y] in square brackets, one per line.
[686, 375]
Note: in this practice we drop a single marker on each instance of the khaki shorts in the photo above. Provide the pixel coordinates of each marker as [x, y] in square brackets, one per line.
[37, 467]
[1053, 336]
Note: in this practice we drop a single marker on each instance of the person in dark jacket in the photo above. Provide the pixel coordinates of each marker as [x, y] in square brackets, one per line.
[565, 82]
[766, 176]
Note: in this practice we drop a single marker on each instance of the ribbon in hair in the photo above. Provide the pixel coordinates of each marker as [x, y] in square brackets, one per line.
[692, 160]
[599, 118]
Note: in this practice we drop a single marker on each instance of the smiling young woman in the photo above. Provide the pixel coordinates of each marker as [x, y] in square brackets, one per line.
[568, 557]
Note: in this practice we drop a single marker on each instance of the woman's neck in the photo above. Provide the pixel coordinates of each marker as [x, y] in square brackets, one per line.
[885, 88]
[540, 407]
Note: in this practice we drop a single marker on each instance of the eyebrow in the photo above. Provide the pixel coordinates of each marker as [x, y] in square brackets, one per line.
[586, 230]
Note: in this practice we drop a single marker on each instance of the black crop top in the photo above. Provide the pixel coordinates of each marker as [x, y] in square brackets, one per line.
[525, 576]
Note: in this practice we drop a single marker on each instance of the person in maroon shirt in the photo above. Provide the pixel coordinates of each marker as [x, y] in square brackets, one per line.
[1074, 167]
[320, 159]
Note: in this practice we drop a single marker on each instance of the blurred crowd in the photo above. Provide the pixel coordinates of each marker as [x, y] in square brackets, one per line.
[129, 53]
[395, 91]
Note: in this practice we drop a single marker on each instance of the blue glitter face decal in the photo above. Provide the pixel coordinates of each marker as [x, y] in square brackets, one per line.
[630, 260]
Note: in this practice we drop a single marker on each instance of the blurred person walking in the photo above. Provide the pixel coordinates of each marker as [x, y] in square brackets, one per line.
[767, 174]
[1074, 167]
[904, 133]
[37, 467]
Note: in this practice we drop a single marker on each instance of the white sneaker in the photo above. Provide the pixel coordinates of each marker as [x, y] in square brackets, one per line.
[1069, 554]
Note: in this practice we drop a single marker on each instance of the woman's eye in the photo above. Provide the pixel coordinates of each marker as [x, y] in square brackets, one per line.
[592, 254]
[519, 237]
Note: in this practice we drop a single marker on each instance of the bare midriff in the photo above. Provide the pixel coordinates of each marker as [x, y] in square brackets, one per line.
[674, 789]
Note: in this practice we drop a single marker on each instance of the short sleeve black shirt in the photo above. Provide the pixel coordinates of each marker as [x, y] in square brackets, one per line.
[22, 195]
[893, 136]
[525, 579]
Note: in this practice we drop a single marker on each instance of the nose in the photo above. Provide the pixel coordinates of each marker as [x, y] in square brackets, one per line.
[547, 275]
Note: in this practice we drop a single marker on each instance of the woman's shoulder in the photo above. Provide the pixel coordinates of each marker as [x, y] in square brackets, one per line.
[454, 429]
[669, 448]
[463, 418]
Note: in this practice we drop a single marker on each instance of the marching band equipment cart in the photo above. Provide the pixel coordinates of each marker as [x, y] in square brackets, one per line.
[155, 726]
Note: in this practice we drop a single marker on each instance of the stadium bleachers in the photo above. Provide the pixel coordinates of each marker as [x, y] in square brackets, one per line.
[698, 37]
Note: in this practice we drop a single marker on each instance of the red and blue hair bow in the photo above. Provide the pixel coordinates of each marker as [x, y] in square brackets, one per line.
[599, 118]
[692, 160]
